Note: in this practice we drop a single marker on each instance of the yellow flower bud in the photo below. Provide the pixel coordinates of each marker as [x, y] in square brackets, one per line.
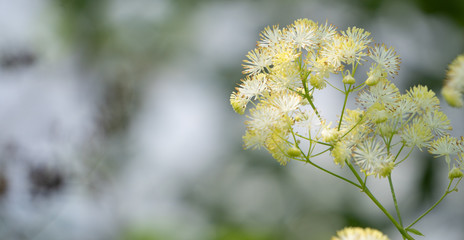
[455, 173]
[293, 152]
[452, 96]
[330, 134]
[348, 79]
[341, 153]
[317, 81]
[386, 169]
[372, 80]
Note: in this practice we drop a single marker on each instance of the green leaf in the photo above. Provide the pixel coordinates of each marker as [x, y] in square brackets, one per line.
[414, 231]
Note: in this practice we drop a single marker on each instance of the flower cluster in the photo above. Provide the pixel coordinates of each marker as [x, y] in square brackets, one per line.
[393, 122]
[357, 233]
[454, 84]
[291, 64]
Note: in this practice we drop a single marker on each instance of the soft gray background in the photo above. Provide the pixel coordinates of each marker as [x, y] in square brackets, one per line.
[115, 122]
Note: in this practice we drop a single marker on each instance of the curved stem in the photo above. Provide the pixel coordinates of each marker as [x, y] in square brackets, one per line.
[410, 151]
[399, 151]
[366, 190]
[394, 200]
[344, 106]
[333, 86]
[434, 205]
[332, 173]
[307, 159]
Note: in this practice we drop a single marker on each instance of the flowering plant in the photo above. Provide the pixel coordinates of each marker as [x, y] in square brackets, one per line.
[291, 66]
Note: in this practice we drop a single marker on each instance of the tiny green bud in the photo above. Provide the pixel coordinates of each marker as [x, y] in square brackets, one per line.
[317, 81]
[455, 173]
[293, 152]
[372, 80]
[386, 169]
[348, 79]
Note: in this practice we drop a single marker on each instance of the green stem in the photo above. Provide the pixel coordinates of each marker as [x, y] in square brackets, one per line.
[333, 86]
[308, 97]
[304, 80]
[398, 154]
[434, 205]
[331, 173]
[307, 159]
[394, 200]
[366, 190]
[343, 109]
[410, 151]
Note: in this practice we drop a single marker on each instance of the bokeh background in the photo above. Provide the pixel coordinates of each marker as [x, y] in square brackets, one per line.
[115, 122]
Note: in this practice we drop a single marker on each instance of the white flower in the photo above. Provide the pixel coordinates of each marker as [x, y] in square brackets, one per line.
[284, 77]
[332, 55]
[417, 133]
[302, 33]
[372, 158]
[270, 37]
[357, 233]
[386, 58]
[454, 83]
[325, 33]
[423, 98]
[258, 61]
[286, 102]
[238, 102]
[444, 146]
[438, 122]
[263, 117]
[253, 87]
[354, 42]
[403, 108]
[452, 96]
[256, 138]
[384, 92]
[329, 134]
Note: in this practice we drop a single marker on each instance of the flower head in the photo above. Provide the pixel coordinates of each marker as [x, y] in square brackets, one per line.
[454, 83]
[452, 96]
[270, 37]
[331, 55]
[385, 92]
[424, 98]
[417, 133]
[284, 77]
[444, 146]
[285, 102]
[386, 58]
[372, 158]
[357, 233]
[455, 173]
[341, 153]
[325, 34]
[258, 61]
[438, 122]
[355, 41]
[238, 102]
[302, 33]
